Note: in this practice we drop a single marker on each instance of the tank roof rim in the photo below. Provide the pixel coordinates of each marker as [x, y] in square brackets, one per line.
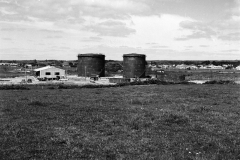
[134, 55]
[91, 55]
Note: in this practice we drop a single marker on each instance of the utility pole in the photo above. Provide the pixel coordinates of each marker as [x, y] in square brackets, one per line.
[25, 74]
[85, 73]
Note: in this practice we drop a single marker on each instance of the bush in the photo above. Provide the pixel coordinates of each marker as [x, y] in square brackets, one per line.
[51, 87]
[175, 119]
[185, 82]
[62, 86]
[36, 103]
[220, 82]
[14, 87]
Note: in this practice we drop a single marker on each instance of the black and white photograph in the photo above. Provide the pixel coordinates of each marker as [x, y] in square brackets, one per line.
[120, 79]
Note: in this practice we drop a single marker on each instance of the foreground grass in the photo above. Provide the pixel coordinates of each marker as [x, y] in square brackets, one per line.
[132, 122]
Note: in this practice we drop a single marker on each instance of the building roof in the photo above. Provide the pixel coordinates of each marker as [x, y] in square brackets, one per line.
[47, 67]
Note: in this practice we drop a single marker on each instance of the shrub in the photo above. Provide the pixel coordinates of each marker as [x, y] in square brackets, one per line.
[67, 86]
[220, 82]
[36, 103]
[51, 87]
[175, 119]
[201, 109]
[185, 82]
[14, 87]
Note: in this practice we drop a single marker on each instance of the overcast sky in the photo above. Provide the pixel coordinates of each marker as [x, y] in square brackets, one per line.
[161, 29]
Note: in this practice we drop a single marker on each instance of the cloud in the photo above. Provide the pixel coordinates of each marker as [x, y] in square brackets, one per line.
[71, 11]
[43, 10]
[158, 46]
[203, 45]
[111, 4]
[207, 30]
[151, 43]
[13, 29]
[92, 39]
[234, 10]
[110, 28]
[64, 48]
[230, 36]
[50, 31]
[221, 27]
[110, 8]
[230, 50]
[124, 47]
[6, 39]
[50, 37]
[199, 30]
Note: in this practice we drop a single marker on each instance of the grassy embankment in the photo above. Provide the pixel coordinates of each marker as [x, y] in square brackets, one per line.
[132, 122]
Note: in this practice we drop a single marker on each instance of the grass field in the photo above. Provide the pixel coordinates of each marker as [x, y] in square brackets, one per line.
[132, 122]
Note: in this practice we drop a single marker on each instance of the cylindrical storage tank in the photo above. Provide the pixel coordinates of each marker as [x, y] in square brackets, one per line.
[91, 64]
[134, 65]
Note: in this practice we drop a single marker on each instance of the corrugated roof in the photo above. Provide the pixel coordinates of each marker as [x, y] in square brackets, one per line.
[47, 67]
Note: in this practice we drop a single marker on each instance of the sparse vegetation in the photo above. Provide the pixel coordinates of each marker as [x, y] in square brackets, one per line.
[13, 87]
[220, 82]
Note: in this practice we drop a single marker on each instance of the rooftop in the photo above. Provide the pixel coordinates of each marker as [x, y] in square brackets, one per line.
[47, 67]
[91, 55]
[134, 55]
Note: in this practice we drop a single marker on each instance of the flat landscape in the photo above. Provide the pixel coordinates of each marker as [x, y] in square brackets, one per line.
[132, 122]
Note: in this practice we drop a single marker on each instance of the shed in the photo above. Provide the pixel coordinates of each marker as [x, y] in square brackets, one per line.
[49, 72]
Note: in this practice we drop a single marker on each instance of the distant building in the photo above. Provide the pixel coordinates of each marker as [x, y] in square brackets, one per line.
[9, 64]
[193, 67]
[214, 67]
[66, 64]
[50, 72]
[182, 66]
[28, 66]
[163, 66]
[4, 64]
[238, 68]
[13, 64]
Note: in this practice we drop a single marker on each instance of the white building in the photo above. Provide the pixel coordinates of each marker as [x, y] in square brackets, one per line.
[238, 68]
[4, 64]
[49, 72]
[28, 66]
[193, 67]
[181, 66]
[13, 64]
[214, 67]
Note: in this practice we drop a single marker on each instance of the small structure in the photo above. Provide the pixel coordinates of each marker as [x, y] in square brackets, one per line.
[238, 68]
[214, 67]
[28, 66]
[119, 80]
[4, 64]
[49, 73]
[182, 66]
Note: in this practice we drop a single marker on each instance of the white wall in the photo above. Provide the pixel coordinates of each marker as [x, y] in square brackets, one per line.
[52, 71]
